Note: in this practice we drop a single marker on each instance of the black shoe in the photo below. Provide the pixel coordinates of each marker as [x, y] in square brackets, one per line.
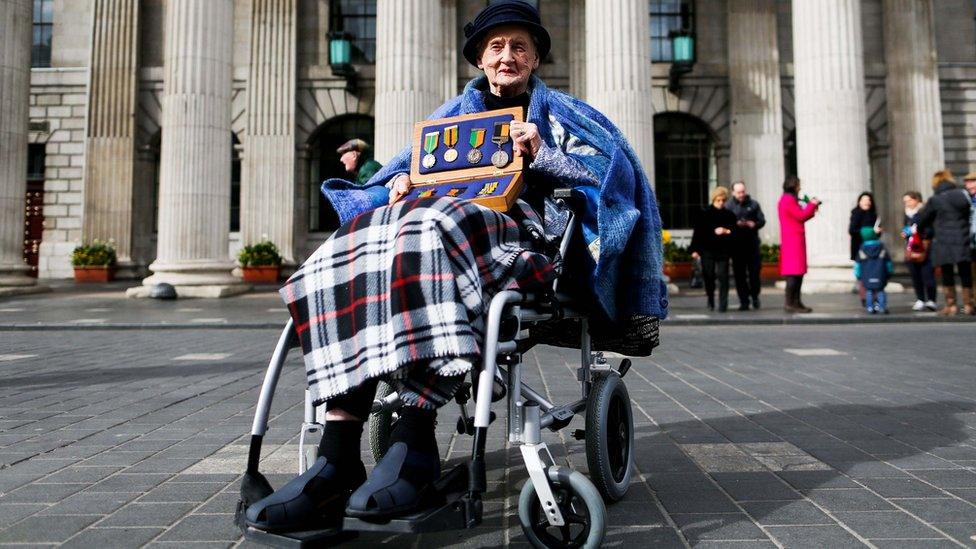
[755, 302]
[744, 306]
[314, 499]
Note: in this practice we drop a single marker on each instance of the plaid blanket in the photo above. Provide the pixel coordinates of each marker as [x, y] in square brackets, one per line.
[402, 292]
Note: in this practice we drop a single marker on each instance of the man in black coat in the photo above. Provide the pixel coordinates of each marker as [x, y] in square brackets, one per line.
[746, 260]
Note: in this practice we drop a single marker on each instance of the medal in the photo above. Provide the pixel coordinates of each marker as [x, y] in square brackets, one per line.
[450, 139]
[476, 140]
[499, 159]
[499, 137]
[488, 189]
[430, 145]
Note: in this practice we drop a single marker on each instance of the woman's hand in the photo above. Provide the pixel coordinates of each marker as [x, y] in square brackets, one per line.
[722, 231]
[400, 187]
[694, 255]
[526, 139]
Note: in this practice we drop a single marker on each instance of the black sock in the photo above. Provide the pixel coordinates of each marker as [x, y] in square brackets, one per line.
[415, 428]
[340, 442]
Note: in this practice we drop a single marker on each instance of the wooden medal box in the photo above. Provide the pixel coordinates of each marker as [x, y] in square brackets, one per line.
[469, 161]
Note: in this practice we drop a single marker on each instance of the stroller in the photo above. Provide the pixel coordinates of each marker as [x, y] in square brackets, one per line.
[557, 506]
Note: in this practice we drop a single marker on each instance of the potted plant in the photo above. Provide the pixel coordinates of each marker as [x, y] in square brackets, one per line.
[94, 262]
[769, 255]
[677, 261]
[260, 262]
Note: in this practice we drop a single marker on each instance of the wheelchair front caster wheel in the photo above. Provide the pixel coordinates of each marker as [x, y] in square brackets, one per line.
[583, 512]
[610, 437]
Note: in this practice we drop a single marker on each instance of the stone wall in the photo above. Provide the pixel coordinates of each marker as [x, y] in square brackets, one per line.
[58, 99]
[958, 92]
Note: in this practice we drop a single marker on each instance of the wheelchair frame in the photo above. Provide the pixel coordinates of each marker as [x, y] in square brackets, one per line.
[528, 413]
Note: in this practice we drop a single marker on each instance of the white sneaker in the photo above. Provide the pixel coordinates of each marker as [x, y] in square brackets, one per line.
[919, 305]
[930, 305]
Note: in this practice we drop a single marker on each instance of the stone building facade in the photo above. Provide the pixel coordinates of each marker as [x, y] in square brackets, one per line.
[183, 129]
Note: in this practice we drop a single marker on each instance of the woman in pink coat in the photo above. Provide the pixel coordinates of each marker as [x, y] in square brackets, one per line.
[793, 242]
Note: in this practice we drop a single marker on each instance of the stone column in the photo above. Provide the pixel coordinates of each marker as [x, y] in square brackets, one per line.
[914, 106]
[618, 70]
[110, 138]
[15, 62]
[577, 48]
[757, 119]
[831, 127]
[449, 37]
[194, 188]
[409, 69]
[268, 180]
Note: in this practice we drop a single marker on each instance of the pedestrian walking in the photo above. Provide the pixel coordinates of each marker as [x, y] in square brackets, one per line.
[917, 258]
[746, 261]
[712, 242]
[864, 214]
[793, 241]
[948, 213]
[872, 268]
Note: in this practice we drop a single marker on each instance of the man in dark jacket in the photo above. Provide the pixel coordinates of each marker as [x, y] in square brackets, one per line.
[746, 260]
[355, 158]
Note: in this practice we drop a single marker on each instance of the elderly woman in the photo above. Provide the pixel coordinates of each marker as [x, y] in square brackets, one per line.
[399, 292]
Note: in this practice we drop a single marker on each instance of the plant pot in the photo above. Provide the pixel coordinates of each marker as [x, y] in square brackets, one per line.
[678, 271]
[95, 273]
[261, 275]
[769, 271]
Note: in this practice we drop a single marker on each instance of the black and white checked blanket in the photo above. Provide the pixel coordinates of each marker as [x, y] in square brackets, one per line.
[402, 292]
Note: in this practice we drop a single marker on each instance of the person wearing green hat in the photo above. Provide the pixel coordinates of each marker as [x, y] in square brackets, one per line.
[873, 268]
[354, 156]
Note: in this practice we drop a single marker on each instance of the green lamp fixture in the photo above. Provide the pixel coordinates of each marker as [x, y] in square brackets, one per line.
[340, 57]
[682, 58]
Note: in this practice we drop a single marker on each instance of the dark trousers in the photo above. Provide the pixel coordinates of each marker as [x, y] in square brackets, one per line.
[794, 284]
[965, 269]
[923, 280]
[746, 264]
[713, 267]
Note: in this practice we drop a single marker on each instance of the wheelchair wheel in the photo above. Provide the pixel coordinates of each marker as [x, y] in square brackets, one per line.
[580, 504]
[380, 424]
[610, 437]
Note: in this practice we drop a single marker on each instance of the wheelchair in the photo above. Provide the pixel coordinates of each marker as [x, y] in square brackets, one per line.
[557, 506]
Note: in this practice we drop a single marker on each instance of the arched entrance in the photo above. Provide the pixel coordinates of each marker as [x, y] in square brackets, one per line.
[685, 167]
[323, 162]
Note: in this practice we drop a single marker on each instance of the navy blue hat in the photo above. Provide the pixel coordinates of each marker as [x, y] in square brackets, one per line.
[510, 12]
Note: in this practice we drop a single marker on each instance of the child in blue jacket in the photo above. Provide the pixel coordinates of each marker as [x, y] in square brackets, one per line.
[873, 268]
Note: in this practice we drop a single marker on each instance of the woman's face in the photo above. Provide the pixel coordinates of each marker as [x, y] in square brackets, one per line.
[864, 202]
[719, 202]
[509, 58]
[909, 202]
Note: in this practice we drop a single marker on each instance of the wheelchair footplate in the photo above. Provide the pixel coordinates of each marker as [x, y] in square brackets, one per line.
[296, 540]
[454, 511]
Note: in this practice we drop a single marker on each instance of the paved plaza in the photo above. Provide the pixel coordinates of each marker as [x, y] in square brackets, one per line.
[827, 435]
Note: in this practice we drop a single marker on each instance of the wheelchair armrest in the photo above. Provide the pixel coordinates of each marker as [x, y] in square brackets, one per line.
[574, 201]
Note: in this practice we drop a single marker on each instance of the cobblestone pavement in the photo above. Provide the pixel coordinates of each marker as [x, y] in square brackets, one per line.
[790, 436]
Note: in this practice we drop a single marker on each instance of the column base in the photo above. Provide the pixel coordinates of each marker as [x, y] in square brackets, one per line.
[15, 276]
[204, 279]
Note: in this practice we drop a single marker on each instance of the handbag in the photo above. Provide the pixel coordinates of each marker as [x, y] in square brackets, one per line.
[916, 249]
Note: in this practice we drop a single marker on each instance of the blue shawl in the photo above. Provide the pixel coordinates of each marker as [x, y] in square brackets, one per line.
[627, 279]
